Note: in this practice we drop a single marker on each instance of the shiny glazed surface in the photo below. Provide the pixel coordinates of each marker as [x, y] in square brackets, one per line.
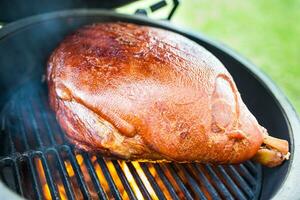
[142, 93]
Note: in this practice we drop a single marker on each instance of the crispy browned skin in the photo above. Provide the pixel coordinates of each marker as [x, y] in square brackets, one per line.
[143, 93]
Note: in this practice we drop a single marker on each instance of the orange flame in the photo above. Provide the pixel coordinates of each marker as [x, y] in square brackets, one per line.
[102, 180]
[116, 179]
[144, 180]
[43, 181]
[46, 192]
[62, 192]
[69, 168]
[131, 180]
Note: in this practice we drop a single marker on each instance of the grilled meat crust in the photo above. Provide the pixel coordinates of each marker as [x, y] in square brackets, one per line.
[143, 93]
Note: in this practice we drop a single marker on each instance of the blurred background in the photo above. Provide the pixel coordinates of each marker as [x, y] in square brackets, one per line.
[265, 32]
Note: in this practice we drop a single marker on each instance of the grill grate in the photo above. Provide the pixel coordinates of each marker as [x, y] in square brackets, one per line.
[38, 163]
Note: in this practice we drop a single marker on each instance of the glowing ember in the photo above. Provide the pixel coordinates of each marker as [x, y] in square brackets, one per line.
[159, 181]
[144, 180]
[116, 179]
[131, 180]
[79, 159]
[76, 190]
[69, 168]
[46, 192]
[62, 192]
[41, 173]
[86, 176]
[101, 177]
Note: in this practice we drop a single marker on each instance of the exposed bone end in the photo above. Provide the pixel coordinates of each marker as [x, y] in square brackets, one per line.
[278, 144]
[273, 152]
[270, 157]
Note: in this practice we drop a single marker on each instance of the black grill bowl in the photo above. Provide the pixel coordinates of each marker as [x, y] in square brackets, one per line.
[25, 46]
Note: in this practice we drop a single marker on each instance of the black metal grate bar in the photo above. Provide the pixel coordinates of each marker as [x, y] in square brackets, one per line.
[21, 128]
[109, 179]
[60, 165]
[192, 183]
[231, 185]
[32, 134]
[214, 194]
[33, 123]
[78, 174]
[31, 164]
[166, 182]
[139, 181]
[246, 174]
[18, 179]
[11, 143]
[152, 181]
[37, 186]
[218, 183]
[64, 175]
[180, 183]
[94, 177]
[124, 180]
[51, 121]
[251, 167]
[240, 181]
[51, 183]
[37, 106]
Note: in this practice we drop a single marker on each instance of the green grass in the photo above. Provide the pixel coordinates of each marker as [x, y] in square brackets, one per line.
[265, 32]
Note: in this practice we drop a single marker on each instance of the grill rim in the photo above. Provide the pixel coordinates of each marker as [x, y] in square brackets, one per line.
[288, 187]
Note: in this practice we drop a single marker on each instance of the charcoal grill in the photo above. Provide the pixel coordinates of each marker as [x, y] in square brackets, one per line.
[36, 162]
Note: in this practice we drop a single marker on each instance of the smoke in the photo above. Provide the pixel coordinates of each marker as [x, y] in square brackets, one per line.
[28, 123]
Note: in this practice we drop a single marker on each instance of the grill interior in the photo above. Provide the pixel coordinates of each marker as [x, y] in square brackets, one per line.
[38, 163]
